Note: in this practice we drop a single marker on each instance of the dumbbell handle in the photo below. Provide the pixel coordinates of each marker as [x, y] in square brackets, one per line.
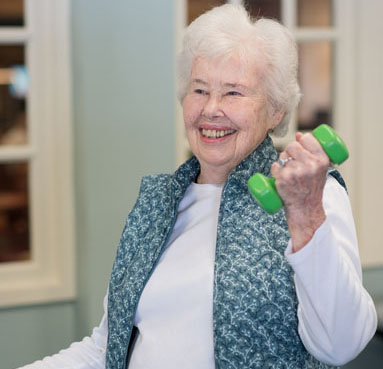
[263, 188]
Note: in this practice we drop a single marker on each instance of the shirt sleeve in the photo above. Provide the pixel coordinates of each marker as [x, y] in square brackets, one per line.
[87, 354]
[336, 315]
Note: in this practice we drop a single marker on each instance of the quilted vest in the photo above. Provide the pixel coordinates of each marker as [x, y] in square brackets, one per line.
[255, 306]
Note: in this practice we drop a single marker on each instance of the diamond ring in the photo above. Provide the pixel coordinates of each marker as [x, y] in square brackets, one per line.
[283, 162]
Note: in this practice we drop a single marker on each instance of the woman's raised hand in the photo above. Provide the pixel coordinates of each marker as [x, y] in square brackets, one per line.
[300, 183]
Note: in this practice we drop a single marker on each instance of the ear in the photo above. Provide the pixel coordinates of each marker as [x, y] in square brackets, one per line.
[276, 118]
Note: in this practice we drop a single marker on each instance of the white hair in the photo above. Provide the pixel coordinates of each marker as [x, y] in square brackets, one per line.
[227, 30]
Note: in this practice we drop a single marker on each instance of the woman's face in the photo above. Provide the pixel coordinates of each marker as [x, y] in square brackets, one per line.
[225, 115]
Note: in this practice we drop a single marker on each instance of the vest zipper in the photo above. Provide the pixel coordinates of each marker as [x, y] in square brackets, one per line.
[149, 275]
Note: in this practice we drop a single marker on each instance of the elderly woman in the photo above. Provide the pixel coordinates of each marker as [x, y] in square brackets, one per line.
[203, 277]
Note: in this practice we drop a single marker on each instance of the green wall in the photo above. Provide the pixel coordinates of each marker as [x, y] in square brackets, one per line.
[124, 126]
[29, 333]
[123, 101]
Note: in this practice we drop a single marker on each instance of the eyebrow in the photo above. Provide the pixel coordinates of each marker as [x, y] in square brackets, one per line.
[234, 85]
[197, 80]
[228, 84]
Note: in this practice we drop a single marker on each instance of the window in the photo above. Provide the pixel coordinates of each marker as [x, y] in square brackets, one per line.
[36, 189]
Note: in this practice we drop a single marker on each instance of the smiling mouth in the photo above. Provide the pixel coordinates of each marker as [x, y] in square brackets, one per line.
[215, 133]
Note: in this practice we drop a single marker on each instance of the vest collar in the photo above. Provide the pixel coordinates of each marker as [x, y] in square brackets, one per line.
[259, 160]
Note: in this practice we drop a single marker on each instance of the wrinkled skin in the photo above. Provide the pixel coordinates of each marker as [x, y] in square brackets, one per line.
[225, 95]
[300, 184]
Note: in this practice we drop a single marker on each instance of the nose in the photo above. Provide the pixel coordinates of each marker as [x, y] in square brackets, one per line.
[212, 107]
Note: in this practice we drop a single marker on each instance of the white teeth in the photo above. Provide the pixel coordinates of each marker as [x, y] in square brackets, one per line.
[213, 133]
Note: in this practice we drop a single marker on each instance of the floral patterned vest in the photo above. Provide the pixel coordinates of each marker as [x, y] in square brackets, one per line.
[255, 304]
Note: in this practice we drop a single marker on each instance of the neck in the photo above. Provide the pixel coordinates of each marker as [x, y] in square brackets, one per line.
[212, 176]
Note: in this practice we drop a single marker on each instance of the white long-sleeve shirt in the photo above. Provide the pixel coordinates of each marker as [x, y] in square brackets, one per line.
[336, 315]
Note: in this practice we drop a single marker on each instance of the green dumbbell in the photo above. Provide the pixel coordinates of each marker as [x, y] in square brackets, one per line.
[263, 188]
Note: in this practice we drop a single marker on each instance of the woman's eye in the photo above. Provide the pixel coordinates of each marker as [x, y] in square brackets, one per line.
[234, 93]
[200, 91]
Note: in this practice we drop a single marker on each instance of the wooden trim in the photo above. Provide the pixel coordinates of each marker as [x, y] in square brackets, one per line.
[50, 275]
[14, 35]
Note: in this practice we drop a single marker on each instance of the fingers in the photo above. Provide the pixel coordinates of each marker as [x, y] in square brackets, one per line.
[300, 181]
[310, 143]
[275, 169]
[307, 149]
[307, 154]
[298, 135]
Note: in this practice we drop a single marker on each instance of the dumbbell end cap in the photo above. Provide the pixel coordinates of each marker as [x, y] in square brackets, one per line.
[264, 191]
[331, 143]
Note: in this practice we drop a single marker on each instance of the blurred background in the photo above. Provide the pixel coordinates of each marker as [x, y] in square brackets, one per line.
[88, 106]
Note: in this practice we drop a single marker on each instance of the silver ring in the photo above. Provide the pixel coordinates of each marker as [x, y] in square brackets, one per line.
[283, 162]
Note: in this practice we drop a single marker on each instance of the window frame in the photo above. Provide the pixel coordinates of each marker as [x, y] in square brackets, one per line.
[50, 274]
